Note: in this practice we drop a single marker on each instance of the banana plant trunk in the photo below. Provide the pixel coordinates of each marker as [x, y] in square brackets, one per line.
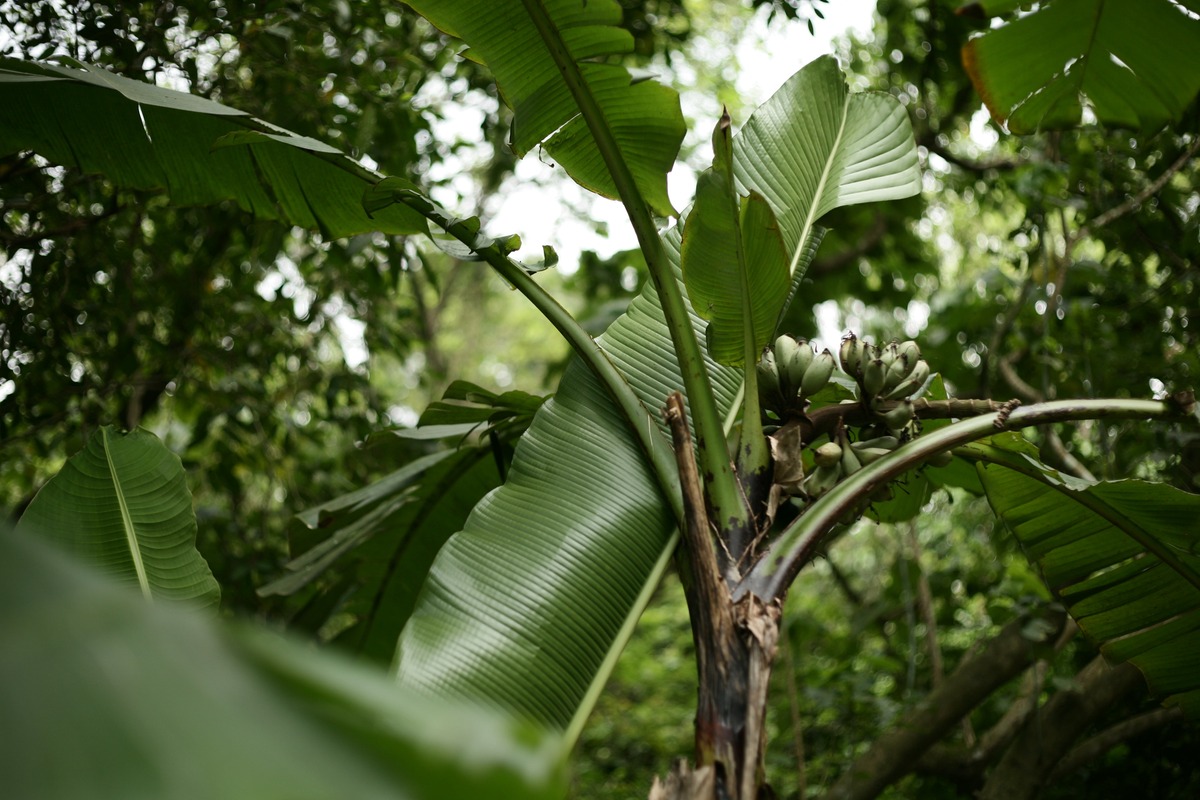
[736, 644]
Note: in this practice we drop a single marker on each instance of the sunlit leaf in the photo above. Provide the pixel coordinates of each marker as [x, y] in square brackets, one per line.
[1133, 60]
[644, 115]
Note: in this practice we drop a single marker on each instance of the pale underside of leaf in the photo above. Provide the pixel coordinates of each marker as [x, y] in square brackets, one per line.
[523, 607]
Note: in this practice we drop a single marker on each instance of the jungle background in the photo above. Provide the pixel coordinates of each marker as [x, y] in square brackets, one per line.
[278, 363]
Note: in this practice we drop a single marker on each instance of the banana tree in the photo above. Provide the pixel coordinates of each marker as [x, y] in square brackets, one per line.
[683, 430]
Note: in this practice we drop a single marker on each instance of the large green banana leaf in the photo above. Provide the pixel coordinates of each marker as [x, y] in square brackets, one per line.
[380, 541]
[811, 148]
[371, 548]
[524, 607]
[644, 116]
[145, 137]
[528, 605]
[1134, 60]
[1123, 556]
[122, 505]
[105, 696]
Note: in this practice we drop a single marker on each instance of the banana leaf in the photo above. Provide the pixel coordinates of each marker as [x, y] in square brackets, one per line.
[1123, 557]
[141, 136]
[644, 115]
[106, 696]
[122, 505]
[1133, 60]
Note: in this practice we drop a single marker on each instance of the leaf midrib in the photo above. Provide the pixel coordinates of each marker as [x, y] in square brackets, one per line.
[1097, 506]
[811, 217]
[131, 536]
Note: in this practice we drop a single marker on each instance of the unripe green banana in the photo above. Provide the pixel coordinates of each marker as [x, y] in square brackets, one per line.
[850, 354]
[916, 379]
[828, 455]
[897, 372]
[911, 350]
[793, 357]
[769, 390]
[850, 461]
[822, 480]
[784, 349]
[942, 459]
[873, 373]
[869, 455]
[880, 442]
[889, 353]
[817, 376]
[899, 416]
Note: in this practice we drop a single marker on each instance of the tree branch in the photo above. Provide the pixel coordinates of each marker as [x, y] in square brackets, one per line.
[1060, 457]
[1134, 203]
[1026, 766]
[1129, 206]
[965, 766]
[930, 142]
[894, 754]
[867, 241]
[1101, 743]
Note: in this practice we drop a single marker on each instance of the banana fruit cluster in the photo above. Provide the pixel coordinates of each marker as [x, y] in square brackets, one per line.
[839, 458]
[790, 372]
[893, 372]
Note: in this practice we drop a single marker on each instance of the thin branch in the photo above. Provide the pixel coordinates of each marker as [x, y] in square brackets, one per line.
[965, 766]
[895, 753]
[1130, 205]
[1106, 740]
[1060, 457]
[930, 143]
[867, 241]
[1027, 765]
[1134, 203]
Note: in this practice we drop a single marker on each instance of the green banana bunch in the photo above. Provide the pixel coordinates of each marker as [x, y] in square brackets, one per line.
[790, 372]
[895, 371]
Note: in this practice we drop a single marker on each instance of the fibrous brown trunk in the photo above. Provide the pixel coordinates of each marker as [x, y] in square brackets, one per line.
[735, 647]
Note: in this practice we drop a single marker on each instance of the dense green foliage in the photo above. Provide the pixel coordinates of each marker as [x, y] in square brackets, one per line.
[287, 368]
